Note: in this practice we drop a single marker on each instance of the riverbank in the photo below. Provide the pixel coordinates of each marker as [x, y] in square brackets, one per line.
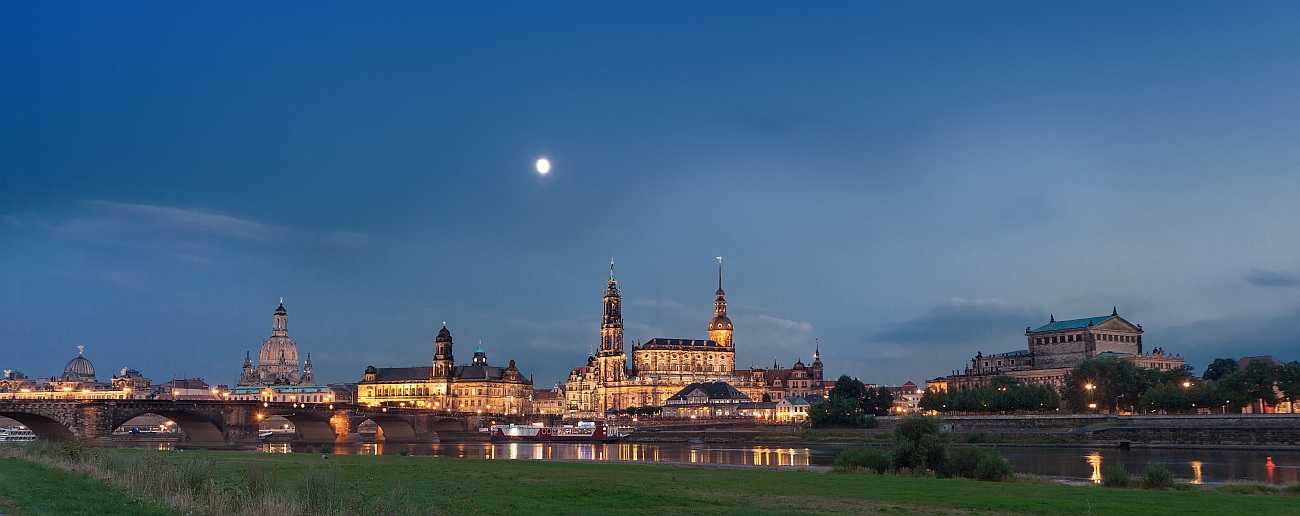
[460, 486]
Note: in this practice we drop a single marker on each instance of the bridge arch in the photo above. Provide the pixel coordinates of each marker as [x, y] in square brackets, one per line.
[311, 427]
[45, 427]
[198, 428]
[392, 429]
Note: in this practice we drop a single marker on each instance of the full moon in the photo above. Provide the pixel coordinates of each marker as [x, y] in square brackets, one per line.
[543, 166]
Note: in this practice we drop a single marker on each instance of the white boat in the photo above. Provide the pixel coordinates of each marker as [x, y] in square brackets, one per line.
[16, 434]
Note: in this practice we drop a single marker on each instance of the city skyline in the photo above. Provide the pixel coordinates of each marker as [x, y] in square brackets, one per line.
[909, 185]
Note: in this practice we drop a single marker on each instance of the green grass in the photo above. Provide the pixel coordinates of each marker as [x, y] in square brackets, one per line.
[475, 486]
[527, 487]
[31, 489]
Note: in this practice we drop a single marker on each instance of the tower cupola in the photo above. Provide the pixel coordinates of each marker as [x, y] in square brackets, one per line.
[720, 327]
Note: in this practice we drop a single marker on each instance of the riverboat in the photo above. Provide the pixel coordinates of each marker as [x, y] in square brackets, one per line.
[582, 432]
[16, 434]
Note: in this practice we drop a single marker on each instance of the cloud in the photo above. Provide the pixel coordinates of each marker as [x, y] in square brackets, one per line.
[936, 342]
[963, 323]
[1272, 279]
[185, 219]
[13, 221]
[345, 238]
[1203, 341]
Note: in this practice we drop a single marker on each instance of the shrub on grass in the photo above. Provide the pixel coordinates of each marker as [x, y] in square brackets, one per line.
[860, 459]
[1156, 476]
[1115, 476]
[327, 448]
[966, 460]
[919, 444]
[993, 468]
[404, 450]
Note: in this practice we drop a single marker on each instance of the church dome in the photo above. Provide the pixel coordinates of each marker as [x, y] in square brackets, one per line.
[720, 322]
[443, 335]
[80, 368]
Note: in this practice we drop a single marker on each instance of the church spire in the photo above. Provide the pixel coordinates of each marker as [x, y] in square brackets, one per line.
[720, 327]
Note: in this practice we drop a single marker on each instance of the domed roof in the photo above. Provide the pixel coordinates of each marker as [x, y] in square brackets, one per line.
[720, 322]
[443, 334]
[80, 367]
[478, 349]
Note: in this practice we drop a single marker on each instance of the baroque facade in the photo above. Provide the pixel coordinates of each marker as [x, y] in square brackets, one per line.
[475, 388]
[660, 368]
[1058, 346]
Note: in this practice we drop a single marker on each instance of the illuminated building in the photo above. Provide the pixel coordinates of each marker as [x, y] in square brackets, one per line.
[276, 377]
[1058, 346]
[662, 367]
[475, 388]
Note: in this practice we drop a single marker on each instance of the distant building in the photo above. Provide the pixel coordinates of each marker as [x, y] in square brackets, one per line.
[473, 388]
[78, 382]
[277, 361]
[792, 409]
[660, 367]
[276, 377]
[187, 389]
[1058, 346]
[133, 382]
[907, 398]
[707, 399]
[550, 402]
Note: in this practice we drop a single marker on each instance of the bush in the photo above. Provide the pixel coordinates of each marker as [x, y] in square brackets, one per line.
[404, 450]
[993, 468]
[966, 461]
[919, 444]
[858, 459]
[1115, 476]
[1156, 476]
[327, 448]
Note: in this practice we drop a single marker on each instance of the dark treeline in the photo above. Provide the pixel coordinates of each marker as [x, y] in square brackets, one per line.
[1114, 385]
[1003, 395]
[851, 404]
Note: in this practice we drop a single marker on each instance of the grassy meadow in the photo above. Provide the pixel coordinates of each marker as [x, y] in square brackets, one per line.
[211, 482]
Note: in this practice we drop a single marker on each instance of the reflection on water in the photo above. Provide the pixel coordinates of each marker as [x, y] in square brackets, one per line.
[649, 452]
[1085, 464]
[1187, 465]
[1094, 460]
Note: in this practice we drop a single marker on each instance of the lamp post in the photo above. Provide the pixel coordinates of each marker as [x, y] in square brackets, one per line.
[1089, 387]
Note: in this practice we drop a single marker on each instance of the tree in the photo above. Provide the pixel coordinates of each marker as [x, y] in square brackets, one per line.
[919, 443]
[935, 400]
[1106, 383]
[767, 397]
[877, 401]
[1220, 368]
[1253, 384]
[848, 388]
[1288, 382]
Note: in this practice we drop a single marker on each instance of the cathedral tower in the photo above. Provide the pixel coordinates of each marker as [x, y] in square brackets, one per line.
[443, 362]
[611, 359]
[720, 327]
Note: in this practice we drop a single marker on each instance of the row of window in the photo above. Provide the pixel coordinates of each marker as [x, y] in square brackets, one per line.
[1078, 337]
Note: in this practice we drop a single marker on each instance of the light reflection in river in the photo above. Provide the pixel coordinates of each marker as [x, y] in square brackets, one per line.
[1084, 464]
[1094, 460]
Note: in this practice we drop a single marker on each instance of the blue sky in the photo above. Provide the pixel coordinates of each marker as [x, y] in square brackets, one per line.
[909, 183]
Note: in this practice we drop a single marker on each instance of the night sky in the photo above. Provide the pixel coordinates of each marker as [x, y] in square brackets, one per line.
[909, 183]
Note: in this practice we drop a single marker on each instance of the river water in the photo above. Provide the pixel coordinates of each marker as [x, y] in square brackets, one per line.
[1079, 464]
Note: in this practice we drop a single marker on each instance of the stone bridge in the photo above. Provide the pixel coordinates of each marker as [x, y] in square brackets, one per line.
[224, 423]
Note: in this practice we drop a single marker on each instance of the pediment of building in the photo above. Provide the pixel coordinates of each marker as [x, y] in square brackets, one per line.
[1117, 324]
